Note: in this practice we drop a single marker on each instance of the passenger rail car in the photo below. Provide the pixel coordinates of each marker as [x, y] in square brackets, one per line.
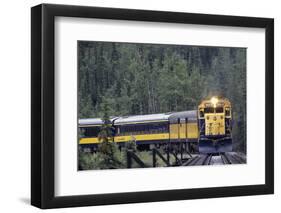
[88, 133]
[146, 130]
[208, 128]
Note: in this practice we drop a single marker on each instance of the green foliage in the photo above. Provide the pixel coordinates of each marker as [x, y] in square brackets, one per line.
[145, 78]
[97, 160]
[131, 145]
[88, 161]
[107, 148]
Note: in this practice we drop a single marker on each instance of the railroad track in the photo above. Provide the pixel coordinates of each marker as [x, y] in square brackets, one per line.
[215, 159]
[207, 159]
[225, 159]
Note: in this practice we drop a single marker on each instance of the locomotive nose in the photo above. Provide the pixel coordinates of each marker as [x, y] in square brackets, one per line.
[215, 125]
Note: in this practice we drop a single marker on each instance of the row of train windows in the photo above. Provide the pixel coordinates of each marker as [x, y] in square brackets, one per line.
[142, 129]
[127, 129]
[89, 131]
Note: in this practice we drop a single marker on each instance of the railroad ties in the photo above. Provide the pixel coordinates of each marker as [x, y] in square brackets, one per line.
[216, 159]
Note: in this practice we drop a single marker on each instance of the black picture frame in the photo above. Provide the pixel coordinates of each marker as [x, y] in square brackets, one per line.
[43, 102]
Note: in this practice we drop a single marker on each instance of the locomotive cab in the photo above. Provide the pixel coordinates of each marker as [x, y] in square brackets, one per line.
[214, 120]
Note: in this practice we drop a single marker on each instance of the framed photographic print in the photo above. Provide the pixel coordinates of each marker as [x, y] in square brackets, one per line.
[140, 106]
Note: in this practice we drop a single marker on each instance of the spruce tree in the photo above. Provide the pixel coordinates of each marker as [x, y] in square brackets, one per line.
[107, 148]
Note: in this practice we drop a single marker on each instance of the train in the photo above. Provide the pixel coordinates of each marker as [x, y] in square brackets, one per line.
[208, 129]
[215, 125]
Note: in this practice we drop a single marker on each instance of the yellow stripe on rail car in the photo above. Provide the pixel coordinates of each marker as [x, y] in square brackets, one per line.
[192, 133]
[88, 140]
[144, 137]
[118, 139]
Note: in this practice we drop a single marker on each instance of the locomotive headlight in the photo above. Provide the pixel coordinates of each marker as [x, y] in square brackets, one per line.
[214, 101]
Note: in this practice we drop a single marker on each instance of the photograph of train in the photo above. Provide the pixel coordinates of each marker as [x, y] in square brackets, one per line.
[160, 105]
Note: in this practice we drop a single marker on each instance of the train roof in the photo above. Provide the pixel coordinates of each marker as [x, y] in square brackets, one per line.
[190, 115]
[161, 117]
[92, 121]
[142, 118]
[172, 116]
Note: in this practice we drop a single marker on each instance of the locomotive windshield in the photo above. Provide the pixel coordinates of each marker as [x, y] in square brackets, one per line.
[209, 110]
[219, 110]
[213, 110]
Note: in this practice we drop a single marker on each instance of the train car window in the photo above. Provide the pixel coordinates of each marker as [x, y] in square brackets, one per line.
[91, 131]
[161, 127]
[209, 110]
[126, 129]
[121, 130]
[219, 110]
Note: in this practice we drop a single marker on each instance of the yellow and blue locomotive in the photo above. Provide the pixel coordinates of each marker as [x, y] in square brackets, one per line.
[207, 130]
[215, 125]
